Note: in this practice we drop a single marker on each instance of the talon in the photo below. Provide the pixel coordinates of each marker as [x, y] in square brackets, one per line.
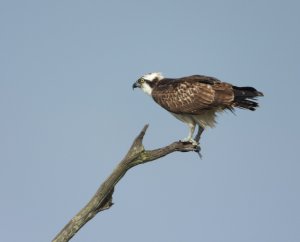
[192, 141]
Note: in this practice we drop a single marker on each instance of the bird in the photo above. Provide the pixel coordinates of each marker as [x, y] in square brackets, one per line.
[197, 99]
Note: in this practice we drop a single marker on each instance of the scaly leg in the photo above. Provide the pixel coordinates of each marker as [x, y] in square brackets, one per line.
[190, 135]
[198, 135]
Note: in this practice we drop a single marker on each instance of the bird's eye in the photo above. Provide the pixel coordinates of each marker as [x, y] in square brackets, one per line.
[142, 80]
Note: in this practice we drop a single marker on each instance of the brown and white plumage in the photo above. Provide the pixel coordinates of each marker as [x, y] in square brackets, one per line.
[197, 99]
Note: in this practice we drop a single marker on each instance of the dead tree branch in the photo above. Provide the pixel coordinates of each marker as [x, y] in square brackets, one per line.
[102, 199]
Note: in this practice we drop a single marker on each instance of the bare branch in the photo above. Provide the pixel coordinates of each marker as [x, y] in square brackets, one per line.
[102, 199]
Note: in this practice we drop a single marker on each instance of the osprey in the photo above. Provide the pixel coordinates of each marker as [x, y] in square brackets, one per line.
[195, 100]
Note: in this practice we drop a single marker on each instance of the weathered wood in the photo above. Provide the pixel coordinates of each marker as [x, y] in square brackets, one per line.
[102, 199]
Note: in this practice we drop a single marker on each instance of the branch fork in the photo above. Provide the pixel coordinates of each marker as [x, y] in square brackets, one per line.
[102, 199]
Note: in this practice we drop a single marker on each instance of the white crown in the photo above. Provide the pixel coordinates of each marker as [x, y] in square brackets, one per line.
[152, 76]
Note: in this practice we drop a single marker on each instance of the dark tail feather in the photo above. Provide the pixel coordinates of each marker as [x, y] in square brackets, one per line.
[244, 97]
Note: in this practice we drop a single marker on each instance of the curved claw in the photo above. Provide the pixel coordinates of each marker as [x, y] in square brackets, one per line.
[192, 141]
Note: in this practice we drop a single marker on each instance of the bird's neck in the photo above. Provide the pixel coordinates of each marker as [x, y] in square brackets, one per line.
[147, 89]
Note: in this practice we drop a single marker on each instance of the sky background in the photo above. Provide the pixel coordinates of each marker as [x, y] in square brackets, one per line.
[69, 115]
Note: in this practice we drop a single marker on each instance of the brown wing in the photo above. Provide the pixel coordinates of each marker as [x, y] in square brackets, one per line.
[193, 94]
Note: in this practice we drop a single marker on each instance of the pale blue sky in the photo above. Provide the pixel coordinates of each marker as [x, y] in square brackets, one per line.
[69, 115]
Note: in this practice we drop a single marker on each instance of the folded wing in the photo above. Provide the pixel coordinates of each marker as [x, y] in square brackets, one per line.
[193, 94]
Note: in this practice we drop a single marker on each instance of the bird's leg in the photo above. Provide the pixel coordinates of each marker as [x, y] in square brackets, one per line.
[191, 132]
[197, 139]
[198, 135]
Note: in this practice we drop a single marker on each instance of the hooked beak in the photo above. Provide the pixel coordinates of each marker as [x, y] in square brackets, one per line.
[135, 85]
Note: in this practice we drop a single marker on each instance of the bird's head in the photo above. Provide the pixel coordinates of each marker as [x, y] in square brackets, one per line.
[148, 81]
